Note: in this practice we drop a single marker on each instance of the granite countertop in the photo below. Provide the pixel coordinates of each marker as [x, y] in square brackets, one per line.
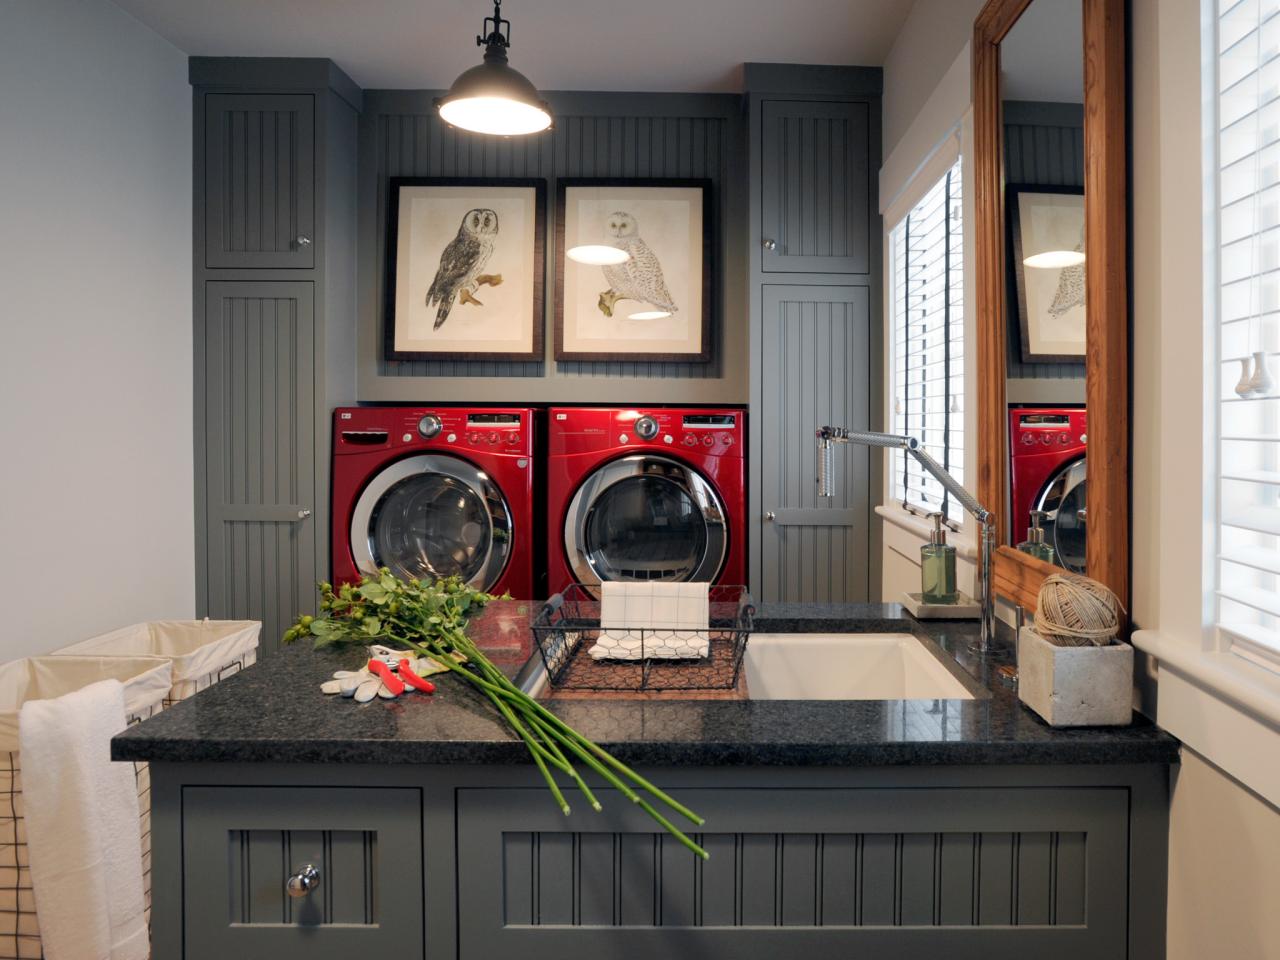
[274, 712]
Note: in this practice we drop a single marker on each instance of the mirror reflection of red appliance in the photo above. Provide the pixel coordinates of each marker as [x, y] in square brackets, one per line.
[1047, 472]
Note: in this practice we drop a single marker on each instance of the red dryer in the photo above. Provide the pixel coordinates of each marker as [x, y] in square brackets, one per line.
[434, 492]
[1047, 473]
[646, 494]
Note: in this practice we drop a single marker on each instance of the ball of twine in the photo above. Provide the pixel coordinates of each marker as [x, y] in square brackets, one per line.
[1074, 611]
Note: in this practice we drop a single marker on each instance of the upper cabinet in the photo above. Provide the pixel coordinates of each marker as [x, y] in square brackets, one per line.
[259, 188]
[815, 214]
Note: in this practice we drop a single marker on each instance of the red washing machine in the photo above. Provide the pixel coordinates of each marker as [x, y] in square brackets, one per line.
[1047, 473]
[434, 492]
[646, 494]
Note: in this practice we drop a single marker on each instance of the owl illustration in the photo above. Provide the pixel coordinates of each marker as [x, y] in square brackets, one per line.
[640, 277]
[460, 265]
[1070, 291]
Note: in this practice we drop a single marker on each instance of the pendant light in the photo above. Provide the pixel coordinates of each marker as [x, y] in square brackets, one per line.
[494, 98]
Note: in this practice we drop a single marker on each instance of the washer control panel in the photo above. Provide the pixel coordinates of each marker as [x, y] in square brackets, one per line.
[497, 431]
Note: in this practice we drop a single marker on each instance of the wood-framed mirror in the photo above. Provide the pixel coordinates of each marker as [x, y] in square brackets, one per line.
[1040, 311]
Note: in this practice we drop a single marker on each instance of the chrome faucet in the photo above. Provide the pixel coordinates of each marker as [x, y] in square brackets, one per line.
[828, 437]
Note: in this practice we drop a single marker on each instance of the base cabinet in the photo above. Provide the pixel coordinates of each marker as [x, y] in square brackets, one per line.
[476, 863]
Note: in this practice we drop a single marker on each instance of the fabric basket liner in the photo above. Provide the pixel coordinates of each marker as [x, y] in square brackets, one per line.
[196, 648]
[146, 682]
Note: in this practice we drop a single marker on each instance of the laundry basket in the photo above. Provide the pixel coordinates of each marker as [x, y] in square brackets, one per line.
[146, 683]
[202, 651]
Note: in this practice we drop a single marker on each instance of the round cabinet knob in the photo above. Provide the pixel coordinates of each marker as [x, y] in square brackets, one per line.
[303, 882]
[430, 426]
[304, 241]
[646, 428]
[769, 244]
[771, 516]
[303, 514]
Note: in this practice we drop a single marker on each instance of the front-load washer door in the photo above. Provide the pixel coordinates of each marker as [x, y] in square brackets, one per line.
[1063, 502]
[645, 518]
[433, 516]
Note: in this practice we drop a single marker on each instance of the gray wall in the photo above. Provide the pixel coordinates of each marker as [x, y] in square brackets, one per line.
[595, 135]
[1043, 144]
[95, 368]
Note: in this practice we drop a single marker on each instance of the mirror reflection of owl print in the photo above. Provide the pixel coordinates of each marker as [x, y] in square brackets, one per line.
[639, 278]
[461, 262]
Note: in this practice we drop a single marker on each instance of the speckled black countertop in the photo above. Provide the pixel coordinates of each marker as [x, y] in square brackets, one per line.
[274, 712]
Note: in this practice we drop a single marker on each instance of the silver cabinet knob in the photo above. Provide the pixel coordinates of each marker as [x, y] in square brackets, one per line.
[304, 513]
[303, 241]
[303, 882]
[770, 244]
[771, 516]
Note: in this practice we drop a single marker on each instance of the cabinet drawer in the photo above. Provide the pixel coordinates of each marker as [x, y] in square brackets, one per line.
[242, 844]
[967, 872]
[259, 180]
[815, 213]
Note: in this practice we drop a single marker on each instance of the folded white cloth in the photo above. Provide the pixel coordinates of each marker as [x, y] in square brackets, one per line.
[83, 834]
[658, 621]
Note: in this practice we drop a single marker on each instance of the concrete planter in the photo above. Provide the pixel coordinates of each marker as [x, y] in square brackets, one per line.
[1075, 686]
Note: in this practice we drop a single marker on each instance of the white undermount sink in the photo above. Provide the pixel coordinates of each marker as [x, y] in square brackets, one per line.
[846, 666]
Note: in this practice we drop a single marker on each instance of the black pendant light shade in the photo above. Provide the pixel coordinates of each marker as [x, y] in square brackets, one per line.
[494, 97]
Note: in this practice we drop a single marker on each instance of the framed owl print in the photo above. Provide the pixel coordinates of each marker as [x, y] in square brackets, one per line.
[1046, 226]
[465, 267]
[633, 270]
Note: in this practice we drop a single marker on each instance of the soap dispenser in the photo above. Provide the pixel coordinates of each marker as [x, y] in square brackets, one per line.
[1034, 544]
[938, 566]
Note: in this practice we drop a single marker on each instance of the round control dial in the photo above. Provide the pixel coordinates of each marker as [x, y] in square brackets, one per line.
[646, 428]
[430, 426]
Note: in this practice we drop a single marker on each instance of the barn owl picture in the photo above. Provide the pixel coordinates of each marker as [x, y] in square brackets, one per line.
[461, 262]
[640, 277]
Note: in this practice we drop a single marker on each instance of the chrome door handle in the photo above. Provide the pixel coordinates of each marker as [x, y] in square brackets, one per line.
[771, 516]
[770, 244]
[303, 882]
[303, 241]
[304, 513]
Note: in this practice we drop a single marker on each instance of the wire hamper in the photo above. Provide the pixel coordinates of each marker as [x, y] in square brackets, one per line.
[568, 626]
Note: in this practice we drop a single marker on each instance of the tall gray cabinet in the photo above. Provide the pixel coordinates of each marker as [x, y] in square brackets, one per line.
[274, 271]
[815, 276]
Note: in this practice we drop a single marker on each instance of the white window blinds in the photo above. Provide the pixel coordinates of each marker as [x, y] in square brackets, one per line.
[1247, 74]
[927, 285]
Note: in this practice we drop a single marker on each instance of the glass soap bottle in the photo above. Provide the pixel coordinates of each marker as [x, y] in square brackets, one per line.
[1034, 544]
[938, 566]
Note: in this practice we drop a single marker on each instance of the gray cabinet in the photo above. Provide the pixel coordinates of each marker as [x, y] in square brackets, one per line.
[241, 846]
[259, 180]
[815, 209]
[815, 304]
[258, 407]
[958, 872]
[816, 341]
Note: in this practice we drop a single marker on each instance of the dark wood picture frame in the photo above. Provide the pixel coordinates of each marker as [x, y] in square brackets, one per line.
[1017, 269]
[563, 185]
[1017, 576]
[539, 187]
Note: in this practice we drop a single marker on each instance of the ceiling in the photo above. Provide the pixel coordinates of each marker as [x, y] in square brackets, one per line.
[644, 45]
[1042, 56]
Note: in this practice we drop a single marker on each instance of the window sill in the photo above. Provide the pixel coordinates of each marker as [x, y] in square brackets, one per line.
[1222, 706]
[920, 527]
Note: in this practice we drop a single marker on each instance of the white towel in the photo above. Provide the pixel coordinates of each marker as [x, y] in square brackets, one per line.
[672, 616]
[82, 827]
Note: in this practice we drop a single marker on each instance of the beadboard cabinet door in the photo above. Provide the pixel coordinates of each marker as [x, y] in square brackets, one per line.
[799, 873]
[256, 466]
[815, 369]
[259, 189]
[242, 844]
[816, 214]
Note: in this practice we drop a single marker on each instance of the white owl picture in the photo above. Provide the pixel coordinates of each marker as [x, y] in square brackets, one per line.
[466, 279]
[632, 268]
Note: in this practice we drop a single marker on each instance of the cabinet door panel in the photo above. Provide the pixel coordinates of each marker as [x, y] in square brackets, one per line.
[815, 187]
[241, 845]
[259, 453]
[815, 370]
[799, 873]
[259, 190]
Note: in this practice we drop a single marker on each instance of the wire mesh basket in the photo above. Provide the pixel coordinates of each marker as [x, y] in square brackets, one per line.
[580, 653]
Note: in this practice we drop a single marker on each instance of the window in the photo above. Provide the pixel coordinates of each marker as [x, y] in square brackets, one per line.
[1247, 160]
[926, 285]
